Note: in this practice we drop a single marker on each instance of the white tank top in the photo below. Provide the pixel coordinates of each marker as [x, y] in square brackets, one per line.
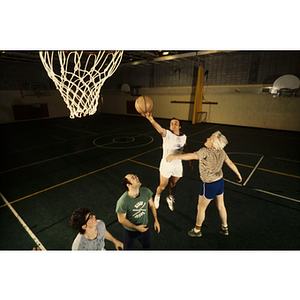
[173, 144]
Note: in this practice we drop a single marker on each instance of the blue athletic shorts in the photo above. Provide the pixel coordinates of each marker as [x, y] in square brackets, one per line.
[212, 189]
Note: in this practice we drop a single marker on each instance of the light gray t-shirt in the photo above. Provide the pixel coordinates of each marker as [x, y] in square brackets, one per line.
[210, 163]
[82, 243]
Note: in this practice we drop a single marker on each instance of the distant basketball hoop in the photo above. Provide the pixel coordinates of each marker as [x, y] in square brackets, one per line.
[286, 83]
[125, 88]
[79, 76]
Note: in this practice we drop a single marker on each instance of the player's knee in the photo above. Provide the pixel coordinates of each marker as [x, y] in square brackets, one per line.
[220, 206]
[172, 184]
[163, 187]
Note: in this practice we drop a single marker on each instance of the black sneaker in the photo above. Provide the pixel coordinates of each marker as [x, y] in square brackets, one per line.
[192, 233]
[224, 230]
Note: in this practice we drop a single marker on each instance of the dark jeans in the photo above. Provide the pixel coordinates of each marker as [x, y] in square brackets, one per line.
[130, 237]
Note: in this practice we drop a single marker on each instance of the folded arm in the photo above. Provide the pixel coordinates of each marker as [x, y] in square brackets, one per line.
[122, 219]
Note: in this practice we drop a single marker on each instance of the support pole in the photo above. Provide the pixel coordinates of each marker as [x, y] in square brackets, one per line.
[198, 95]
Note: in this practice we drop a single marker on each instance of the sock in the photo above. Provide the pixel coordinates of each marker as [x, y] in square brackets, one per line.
[197, 228]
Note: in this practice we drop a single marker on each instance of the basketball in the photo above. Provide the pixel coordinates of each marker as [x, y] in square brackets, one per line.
[143, 104]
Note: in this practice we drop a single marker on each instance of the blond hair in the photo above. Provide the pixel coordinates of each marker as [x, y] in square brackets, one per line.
[220, 141]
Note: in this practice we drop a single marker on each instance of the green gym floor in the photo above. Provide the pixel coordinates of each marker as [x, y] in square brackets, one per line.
[51, 167]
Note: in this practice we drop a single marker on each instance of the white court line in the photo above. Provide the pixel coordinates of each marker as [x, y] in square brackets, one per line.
[296, 200]
[253, 171]
[36, 240]
[233, 182]
[262, 191]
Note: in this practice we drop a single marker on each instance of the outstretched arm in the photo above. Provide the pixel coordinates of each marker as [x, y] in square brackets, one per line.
[186, 156]
[159, 129]
[233, 167]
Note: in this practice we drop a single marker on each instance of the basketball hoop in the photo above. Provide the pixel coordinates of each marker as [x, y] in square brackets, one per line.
[287, 83]
[79, 76]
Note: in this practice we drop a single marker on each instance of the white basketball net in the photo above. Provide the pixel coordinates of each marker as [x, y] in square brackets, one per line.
[81, 76]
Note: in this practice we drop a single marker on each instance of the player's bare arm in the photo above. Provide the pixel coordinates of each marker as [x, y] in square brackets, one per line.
[122, 219]
[158, 128]
[233, 167]
[186, 156]
[154, 213]
[117, 243]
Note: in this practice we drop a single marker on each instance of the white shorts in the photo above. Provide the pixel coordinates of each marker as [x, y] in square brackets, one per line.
[167, 171]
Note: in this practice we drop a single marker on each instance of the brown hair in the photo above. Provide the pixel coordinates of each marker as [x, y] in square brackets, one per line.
[78, 219]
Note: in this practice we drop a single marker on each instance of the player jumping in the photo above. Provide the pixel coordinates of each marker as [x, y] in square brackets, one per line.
[174, 142]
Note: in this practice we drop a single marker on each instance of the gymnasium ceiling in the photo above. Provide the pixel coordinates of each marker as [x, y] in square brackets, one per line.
[130, 58]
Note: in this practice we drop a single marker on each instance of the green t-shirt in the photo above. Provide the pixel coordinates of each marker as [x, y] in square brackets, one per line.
[136, 209]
